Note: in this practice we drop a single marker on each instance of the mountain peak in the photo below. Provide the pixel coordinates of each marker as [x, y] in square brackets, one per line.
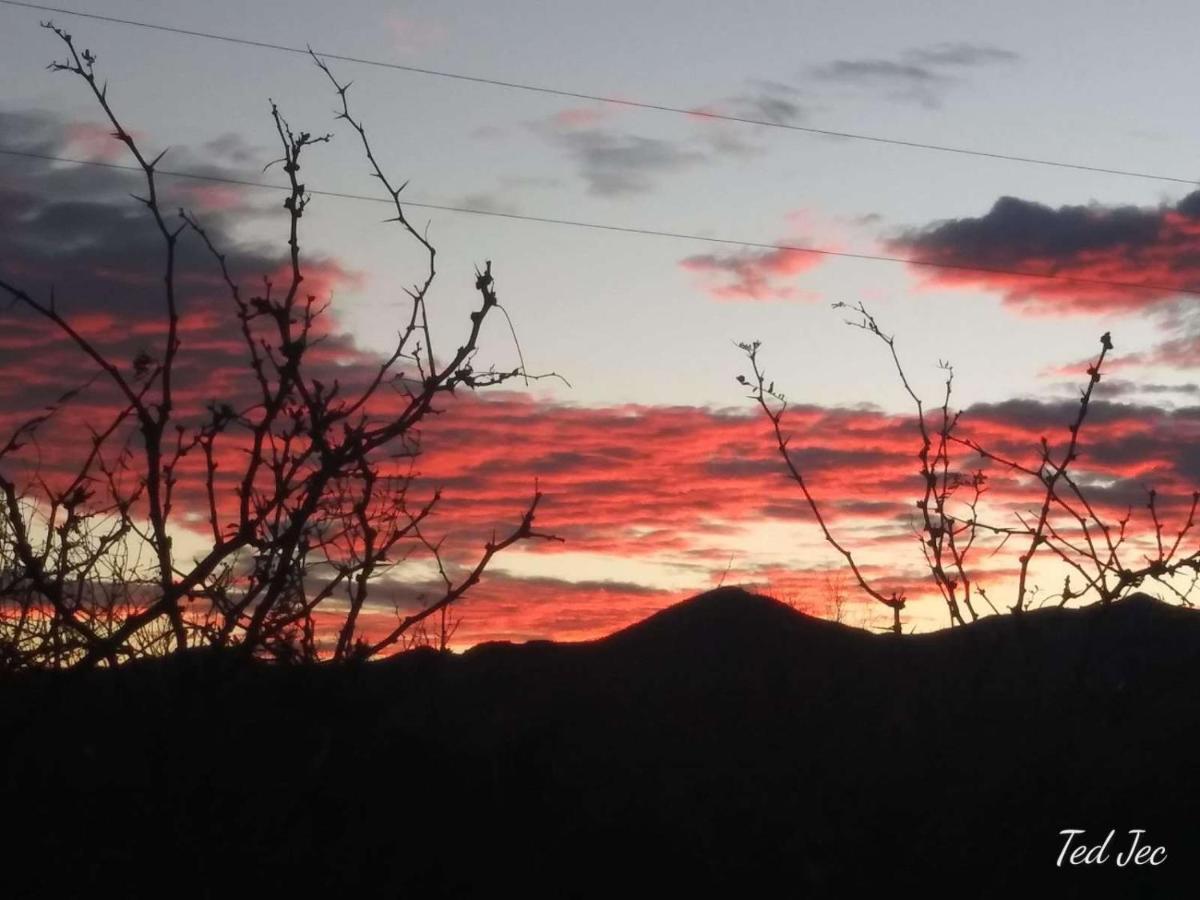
[726, 616]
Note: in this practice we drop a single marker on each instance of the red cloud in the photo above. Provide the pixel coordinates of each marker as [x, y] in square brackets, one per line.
[677, 485]
[752, 274]
[1154, 249]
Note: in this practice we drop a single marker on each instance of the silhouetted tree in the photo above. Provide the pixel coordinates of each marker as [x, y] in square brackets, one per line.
[1065, 523]
[319, 505]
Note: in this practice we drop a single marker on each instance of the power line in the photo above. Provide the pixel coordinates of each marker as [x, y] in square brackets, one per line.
[601, 98]
[627, 229]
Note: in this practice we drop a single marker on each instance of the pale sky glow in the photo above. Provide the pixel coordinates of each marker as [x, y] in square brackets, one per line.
[629, 319]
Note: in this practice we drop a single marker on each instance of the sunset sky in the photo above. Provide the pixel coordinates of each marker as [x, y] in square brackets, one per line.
[656, 467]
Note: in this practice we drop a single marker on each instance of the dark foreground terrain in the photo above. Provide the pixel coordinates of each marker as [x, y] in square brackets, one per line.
[726, 746]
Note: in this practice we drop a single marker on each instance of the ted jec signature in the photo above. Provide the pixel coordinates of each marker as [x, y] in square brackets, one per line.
[1139, 851]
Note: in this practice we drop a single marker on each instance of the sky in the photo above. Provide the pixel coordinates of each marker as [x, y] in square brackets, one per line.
[657, 469]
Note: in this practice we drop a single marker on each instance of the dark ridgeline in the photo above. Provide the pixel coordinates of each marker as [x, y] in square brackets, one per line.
[721, 745]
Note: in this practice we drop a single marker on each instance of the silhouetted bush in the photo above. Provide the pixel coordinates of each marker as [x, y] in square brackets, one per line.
[305, 479]
[1066, 524]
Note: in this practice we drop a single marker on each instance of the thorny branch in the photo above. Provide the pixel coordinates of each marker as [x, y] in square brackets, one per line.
[1087, 544]
[319, 509]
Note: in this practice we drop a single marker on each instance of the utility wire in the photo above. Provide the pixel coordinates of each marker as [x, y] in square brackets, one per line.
[601, 98]
[1152, 287]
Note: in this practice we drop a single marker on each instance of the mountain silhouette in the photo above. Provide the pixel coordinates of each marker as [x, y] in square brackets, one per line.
[727, 620]
[724, 745]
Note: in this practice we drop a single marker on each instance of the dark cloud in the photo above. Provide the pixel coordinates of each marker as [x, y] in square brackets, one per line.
[1051, 416]
[235, 149]
[484, 200]
[961, 53]
[1116, 387]
[768, 101]
[47, 208]
[920, 75]
[752, 274]
[898, 80]
[728, 141]
[1119, 441]
[871, 70]
[614, 164]
[1014, 230]
[75, 233]
[1152, 245]
[31, 131]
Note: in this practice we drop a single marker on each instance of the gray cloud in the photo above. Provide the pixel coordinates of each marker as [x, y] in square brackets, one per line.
[871, 70]
[768, 101]
[1155, 246]
[76, 231]
[1014, 230]
[486, 201]
[78, 228]
[233, 148]
[1054, 416]
[900, 80]
[920, 75]
[961, 53]
[615, 164]
[1116, 387]
[723, 140]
